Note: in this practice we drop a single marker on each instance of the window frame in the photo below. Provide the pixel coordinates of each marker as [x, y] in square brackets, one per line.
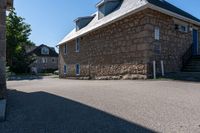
[178, 24]
[44, 49]
[53, 60]
[44, 60]
[79, 70]
[65, 69]
[185, 28]
[157, 33]
[77, 45]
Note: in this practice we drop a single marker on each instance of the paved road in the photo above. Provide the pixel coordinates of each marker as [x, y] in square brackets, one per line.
[52, 105]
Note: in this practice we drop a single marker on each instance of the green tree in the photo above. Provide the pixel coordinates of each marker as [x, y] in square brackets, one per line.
[17, 34]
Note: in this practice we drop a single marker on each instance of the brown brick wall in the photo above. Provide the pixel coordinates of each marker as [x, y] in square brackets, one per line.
[128, 47]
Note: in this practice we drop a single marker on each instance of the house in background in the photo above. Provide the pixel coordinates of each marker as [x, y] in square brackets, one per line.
[128, 38]
[46, 59]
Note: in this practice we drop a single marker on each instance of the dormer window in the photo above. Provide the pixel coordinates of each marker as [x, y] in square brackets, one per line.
[106, 7]
[45, 51]
[81, 22]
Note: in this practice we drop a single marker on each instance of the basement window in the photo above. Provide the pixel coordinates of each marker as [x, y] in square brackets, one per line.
[78, 69]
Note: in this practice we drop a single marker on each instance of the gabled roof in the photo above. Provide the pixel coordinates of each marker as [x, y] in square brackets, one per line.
[129, 7]
[37, 51]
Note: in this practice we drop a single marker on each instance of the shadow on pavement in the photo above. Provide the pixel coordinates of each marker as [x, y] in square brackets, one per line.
[41, 112]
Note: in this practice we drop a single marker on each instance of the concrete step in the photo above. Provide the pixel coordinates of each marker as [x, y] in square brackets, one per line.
[193, 65]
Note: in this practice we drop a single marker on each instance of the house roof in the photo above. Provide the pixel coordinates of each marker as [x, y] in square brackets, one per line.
[129, 7]
[166, 5]
[37, 51]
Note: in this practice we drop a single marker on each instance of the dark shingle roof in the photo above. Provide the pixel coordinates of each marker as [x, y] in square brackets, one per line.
[37, 51]
[166, 5]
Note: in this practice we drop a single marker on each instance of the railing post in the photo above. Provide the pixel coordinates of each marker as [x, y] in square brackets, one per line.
[162, 67]
[154, 69]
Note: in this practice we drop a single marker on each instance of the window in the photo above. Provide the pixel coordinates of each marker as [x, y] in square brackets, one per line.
[78, 45]
[157, 33]
[65, 69]
[77, 69]
[182, 28]
[45, 51]
[65, 49]
[44, 60]
[53, 60]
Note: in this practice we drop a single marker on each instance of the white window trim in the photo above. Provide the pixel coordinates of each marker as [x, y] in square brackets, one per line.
[79, 72]
[157, 33]
[77, 43]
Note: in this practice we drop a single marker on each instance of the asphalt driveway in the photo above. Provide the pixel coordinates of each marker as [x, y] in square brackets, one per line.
[51, 105]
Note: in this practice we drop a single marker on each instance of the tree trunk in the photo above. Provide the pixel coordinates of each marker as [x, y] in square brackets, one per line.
[2, 49]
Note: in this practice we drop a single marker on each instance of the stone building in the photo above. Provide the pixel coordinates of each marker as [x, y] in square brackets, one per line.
[46, 59]
[4, 5]
[124, 37]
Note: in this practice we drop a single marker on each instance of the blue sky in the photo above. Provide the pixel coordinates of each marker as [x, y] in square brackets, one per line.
[51, 20]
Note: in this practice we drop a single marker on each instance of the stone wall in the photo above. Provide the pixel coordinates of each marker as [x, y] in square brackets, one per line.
[128, 47]
[2, 48]
[117, 49]
[172, 45]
